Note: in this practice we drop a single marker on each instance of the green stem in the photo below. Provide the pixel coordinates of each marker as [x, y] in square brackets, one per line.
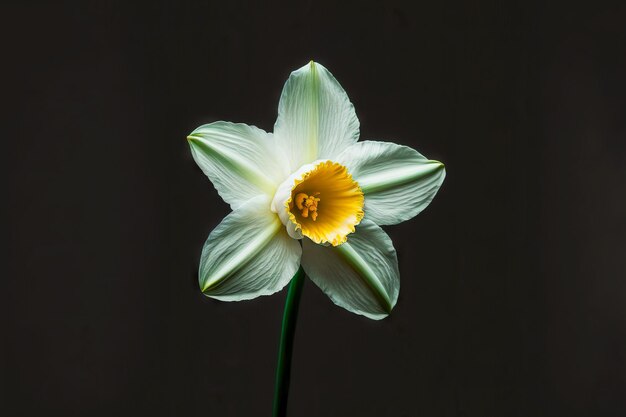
[283, 368]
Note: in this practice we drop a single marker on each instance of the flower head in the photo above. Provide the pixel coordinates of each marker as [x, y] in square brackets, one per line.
[309, 194]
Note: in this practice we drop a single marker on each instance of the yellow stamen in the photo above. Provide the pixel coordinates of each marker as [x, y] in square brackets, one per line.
[329, 194]
[306, 204]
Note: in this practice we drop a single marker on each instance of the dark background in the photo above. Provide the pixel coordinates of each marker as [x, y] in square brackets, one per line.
[513, 299]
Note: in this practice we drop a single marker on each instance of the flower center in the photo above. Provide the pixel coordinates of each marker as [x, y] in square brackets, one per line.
[306, 204]
[325, 203]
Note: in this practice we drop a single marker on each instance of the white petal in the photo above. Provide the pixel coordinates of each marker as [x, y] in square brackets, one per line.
[398, 182]
[361, 275]
[242, 161]
[315, 117]
[249, 254]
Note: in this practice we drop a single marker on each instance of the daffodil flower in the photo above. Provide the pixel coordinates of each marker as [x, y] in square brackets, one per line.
[309, 194]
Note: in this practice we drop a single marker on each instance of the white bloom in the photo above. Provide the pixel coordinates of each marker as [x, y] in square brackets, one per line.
[310, 181]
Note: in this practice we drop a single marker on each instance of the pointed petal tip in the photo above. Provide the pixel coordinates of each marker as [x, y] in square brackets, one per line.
[387, 307]
[377, 316]
[439, 166]
[205, 286]
[313, 66]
